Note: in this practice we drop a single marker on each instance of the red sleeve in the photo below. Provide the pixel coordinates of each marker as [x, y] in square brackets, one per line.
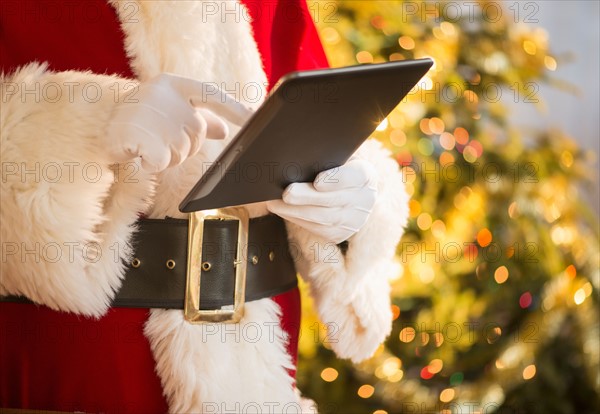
[284, 31]
[286, 36]
[69, 35]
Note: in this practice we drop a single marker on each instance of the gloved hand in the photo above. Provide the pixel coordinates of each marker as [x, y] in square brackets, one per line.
[336, 205]
[166, 120]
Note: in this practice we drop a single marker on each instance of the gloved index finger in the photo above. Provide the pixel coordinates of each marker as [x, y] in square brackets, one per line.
[210, 96]
[304, 194]
[354, 174]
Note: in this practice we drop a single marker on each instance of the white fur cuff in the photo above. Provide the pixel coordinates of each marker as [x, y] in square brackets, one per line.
[351, 291]
[66, 212]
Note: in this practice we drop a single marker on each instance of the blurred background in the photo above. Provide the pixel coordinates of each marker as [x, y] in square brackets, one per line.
[497, 309]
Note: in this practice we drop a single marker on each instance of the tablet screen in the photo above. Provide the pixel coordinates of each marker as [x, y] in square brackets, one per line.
[312, 121]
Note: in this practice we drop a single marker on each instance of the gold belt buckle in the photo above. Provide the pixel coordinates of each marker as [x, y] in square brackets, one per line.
[192, 311]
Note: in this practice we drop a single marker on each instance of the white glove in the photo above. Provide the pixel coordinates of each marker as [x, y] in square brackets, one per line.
[336, 205]
[166, 120]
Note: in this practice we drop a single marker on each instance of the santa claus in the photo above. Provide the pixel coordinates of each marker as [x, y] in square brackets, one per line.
[105, 126]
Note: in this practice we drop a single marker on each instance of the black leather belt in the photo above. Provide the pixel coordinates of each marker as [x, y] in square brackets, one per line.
[156, 278]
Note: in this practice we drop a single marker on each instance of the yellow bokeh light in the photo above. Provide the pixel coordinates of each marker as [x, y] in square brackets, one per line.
[395, 312]
[529, 47]
[435, 366]
[438, 33]
[466, 191]
[364, 57]
[414, 208]
[397, 120]
[461, 135]
[396, 56]
[424, 126]
[587, 289]
[510, 251]
[566, 159]
[398, 137]
[512, 209]
[562, 235]
[366, 391]
[397, 376]
[424, 221]
[438, 229]
[470, 96]
[407, 334]
[446, 158]
[447, 141]
[529, 372]
[390, 366]
[550, 63]
[447, 395]
[579, 296]
[330, 35]
[493, 335]
[484, 237]
[571, 271]
[382, 125]
[448, 28]
[470, 154]
[436, 125]
[406, 42]
[438, 339]
[329, 374]
[426, 83]
[501, 275]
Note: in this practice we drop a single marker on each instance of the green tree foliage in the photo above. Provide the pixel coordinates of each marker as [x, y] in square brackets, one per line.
[497, 308]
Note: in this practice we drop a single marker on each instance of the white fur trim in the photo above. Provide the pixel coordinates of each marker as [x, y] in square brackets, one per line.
[224, 368]
[65, 227]
[351, 291]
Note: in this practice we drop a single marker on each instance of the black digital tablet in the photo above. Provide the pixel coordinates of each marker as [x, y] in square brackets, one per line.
[311, 121]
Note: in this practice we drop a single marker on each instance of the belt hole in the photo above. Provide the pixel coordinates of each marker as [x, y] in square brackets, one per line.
[271, 256]
[170, 264]
[206, 266]
[254, 259]
[136, 263]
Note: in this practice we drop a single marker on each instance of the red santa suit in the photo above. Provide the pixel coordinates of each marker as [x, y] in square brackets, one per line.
[73, 351]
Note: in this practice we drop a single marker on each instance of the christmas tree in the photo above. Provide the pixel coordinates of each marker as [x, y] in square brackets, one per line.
[497, 307]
